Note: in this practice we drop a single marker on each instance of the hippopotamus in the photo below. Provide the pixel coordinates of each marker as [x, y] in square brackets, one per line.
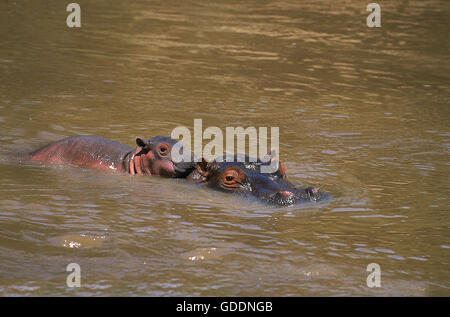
[151, 157]
[246, 179]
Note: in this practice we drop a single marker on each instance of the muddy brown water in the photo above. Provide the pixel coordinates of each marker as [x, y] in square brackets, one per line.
[363, 112]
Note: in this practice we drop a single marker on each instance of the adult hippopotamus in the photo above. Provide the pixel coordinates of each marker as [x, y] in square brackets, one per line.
[152, 157]
[245, 178]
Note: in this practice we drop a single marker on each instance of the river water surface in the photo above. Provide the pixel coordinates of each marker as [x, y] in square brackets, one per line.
[363, 113]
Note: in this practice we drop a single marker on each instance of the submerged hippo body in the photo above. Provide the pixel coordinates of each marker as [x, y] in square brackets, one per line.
[246, 179]
[152, 157]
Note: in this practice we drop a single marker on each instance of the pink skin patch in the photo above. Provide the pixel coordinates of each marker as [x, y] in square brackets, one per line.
[286, 193]
[131, 167]
[145, 164]
[137, 165]
[141, 164]
[163, 167]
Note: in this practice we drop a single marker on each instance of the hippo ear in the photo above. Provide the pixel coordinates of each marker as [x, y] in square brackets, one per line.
[203, 167]
[282, 170]
[273, 154]
[273, 161]
[141, 145]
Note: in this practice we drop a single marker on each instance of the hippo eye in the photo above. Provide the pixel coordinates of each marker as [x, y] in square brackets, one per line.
[231, 178]
[163, 149]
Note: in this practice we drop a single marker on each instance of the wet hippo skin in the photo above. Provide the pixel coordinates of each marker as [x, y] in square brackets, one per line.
[246, 179]
[151, 157]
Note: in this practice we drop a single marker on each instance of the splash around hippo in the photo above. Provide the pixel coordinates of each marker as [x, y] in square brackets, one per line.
[151, 157]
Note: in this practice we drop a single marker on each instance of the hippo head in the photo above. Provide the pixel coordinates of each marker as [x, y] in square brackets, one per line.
[246, 179]
[153, 157]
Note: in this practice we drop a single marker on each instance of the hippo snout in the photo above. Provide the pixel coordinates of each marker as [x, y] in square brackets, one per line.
[291, 197]
[282, 198]
[313, 193]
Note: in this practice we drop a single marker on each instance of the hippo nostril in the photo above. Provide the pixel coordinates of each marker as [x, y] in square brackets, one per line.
[314, 193]
[283, 198]
[311, 190]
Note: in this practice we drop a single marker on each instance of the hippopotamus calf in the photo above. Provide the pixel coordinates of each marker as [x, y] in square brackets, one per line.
[152, 157]
[246, 179]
